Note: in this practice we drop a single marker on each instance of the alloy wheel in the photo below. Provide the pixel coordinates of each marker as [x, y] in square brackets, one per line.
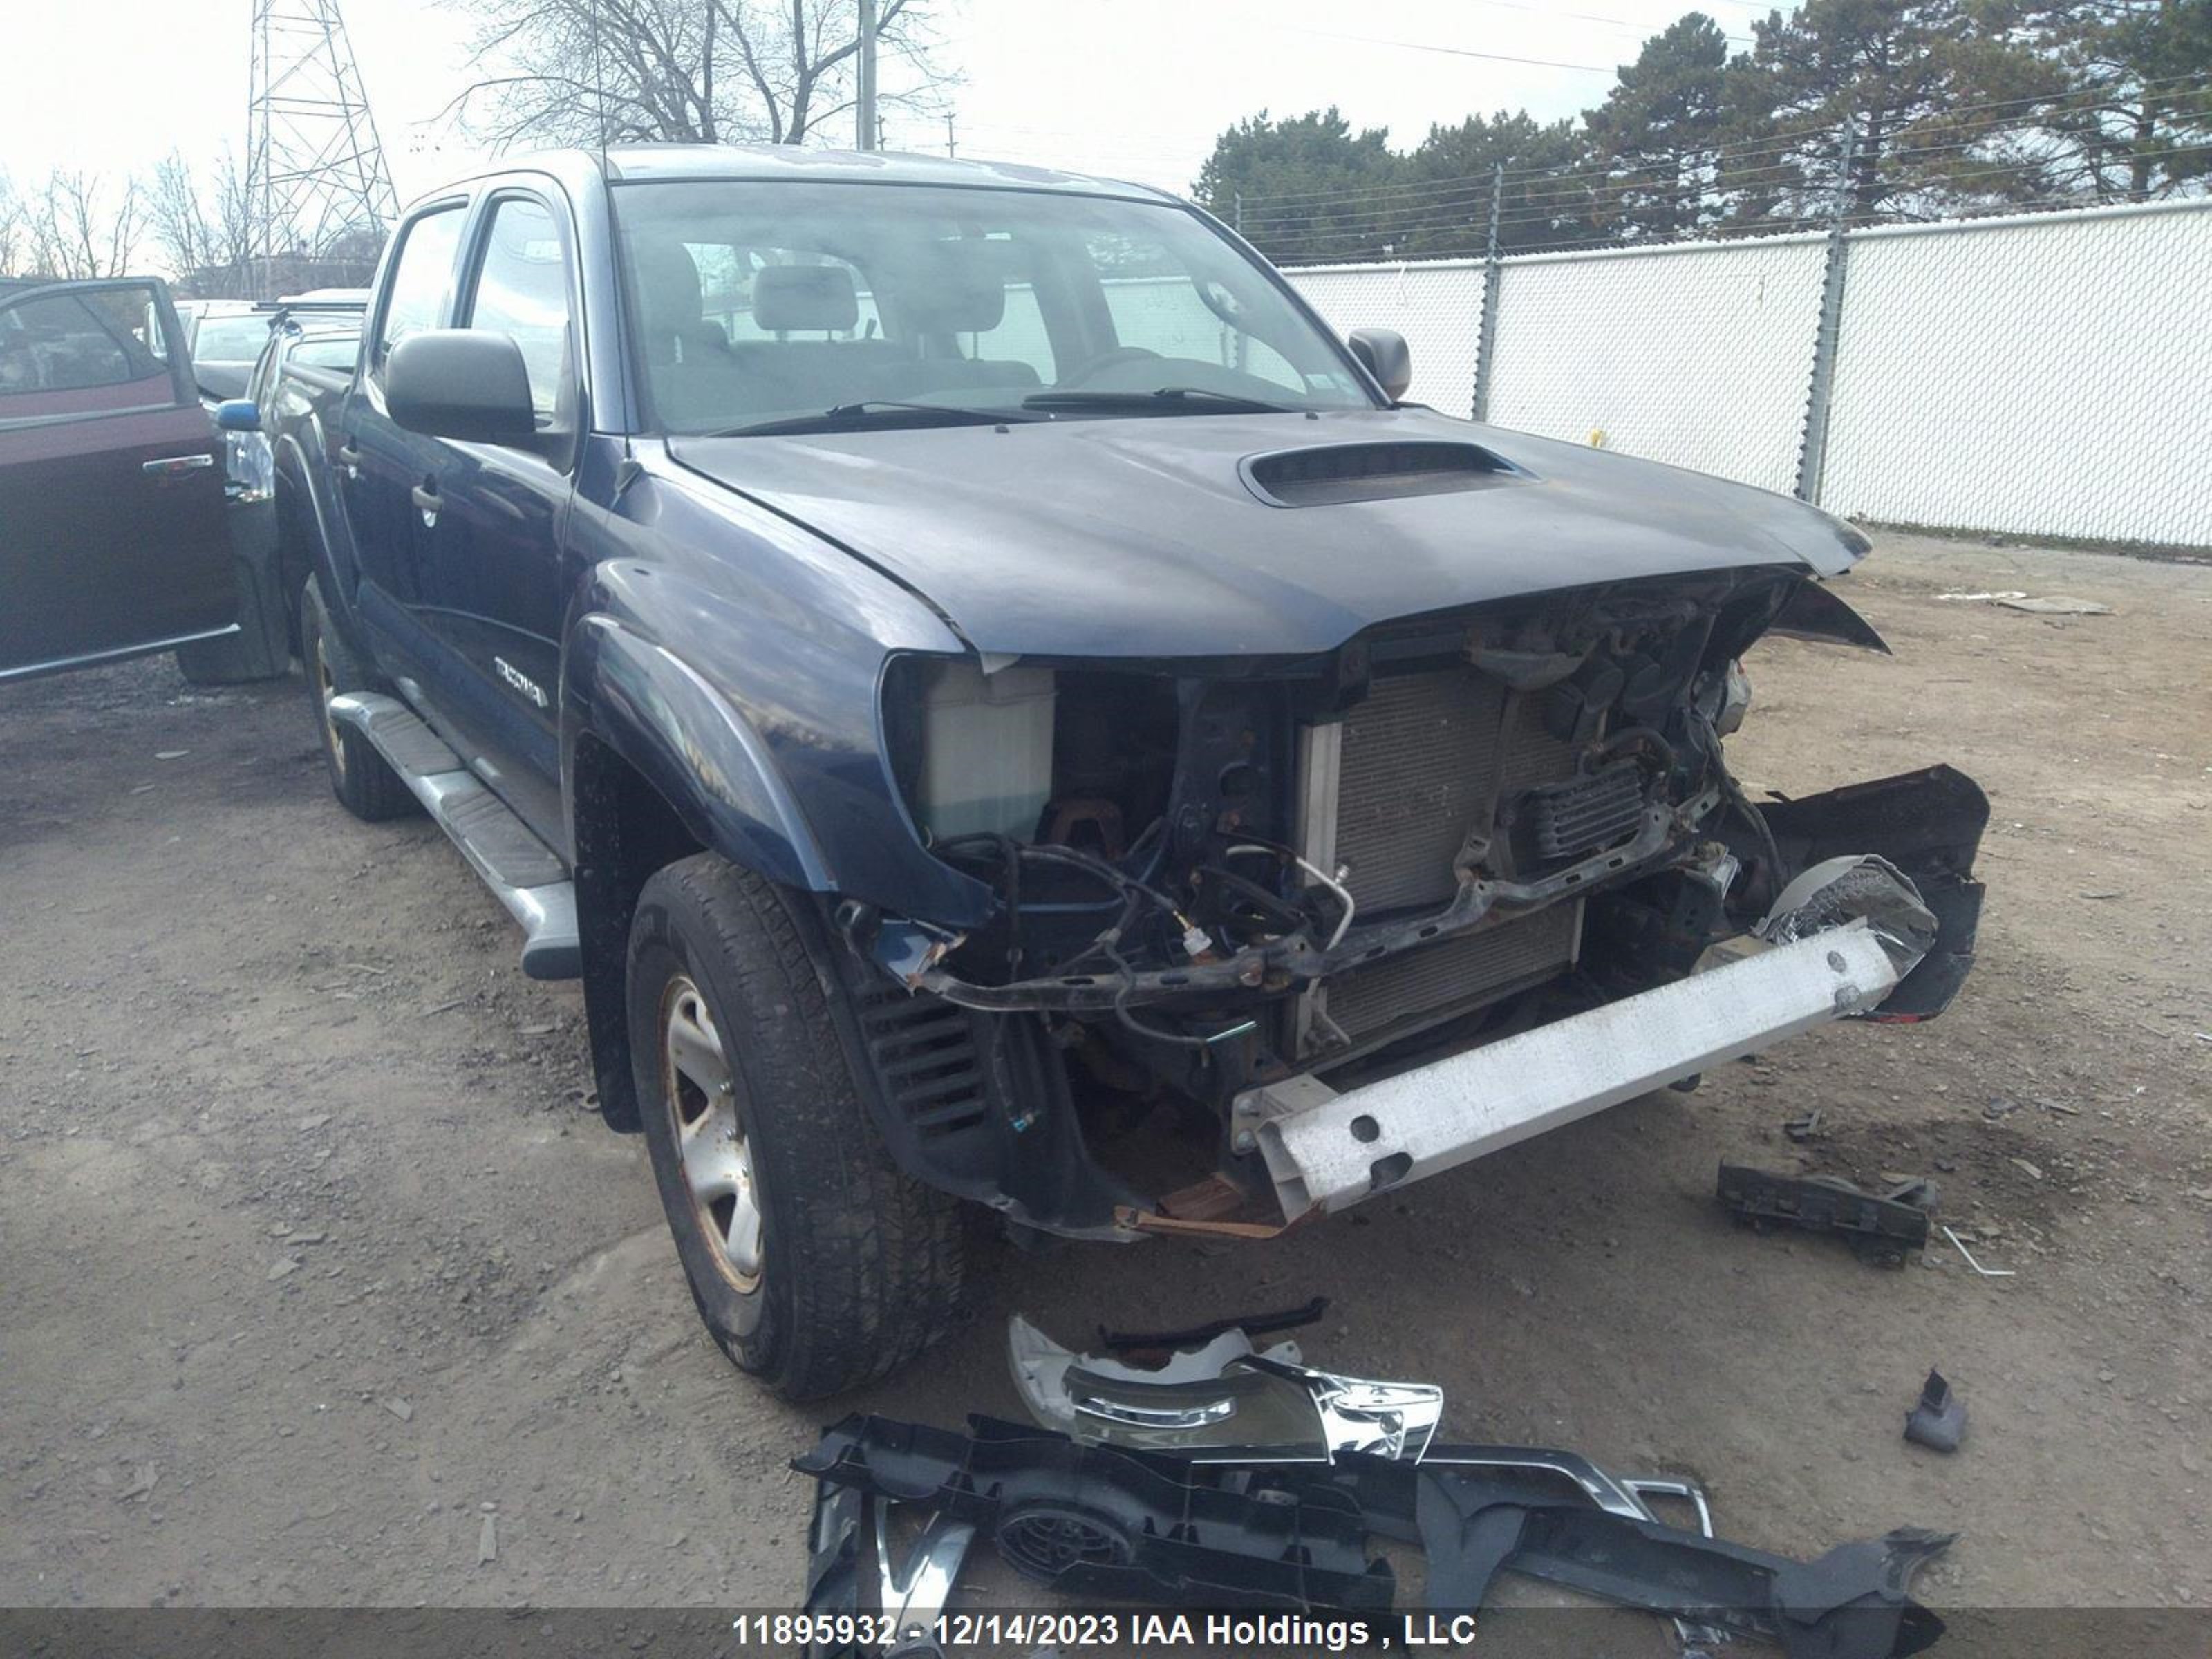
[700, 1087]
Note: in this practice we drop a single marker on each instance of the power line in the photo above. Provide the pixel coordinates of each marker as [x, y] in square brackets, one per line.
[1773, 143]
[1449, 51]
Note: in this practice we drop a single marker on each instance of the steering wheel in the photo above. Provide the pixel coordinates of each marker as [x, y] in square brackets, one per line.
[1083, 371]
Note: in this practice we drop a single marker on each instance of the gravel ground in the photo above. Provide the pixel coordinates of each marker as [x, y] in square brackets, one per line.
[321, 1275]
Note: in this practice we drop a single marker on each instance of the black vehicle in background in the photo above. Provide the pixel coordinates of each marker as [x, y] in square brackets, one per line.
[322, 334]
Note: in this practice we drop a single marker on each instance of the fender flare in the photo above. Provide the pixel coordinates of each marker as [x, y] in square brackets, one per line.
[664, 720]
[1815, 612]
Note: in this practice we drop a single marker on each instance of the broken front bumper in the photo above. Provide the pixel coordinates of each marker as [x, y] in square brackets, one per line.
[1324, 1150]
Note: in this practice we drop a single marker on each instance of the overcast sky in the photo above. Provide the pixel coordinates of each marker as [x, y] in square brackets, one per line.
[1136, 88]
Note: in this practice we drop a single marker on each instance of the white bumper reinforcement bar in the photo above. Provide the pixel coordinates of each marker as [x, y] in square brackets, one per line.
[1330, 1149]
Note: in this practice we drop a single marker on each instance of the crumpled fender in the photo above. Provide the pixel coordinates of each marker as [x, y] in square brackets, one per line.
[662, 717]
[1815, 612]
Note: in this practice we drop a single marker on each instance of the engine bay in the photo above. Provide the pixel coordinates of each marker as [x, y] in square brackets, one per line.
[1210, 877]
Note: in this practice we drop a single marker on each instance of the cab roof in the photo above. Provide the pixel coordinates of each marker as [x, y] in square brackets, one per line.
[656, 162]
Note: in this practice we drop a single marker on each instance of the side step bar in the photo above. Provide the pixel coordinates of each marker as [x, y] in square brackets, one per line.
[1326, 1150]
[521, 870]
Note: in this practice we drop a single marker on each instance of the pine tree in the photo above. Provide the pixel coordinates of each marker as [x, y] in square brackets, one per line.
[1545, 202]
[1658, 134]
[1305, 185]
[2136, 118]
[1914, 81]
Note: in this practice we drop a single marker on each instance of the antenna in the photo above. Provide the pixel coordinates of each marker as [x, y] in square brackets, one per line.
[315, 174]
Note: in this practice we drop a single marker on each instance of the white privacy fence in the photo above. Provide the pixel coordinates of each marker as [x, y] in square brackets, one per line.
[2047, 374]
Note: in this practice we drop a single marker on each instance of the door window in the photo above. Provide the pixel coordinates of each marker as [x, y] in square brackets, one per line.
[417, 296]
[521, 291]
[79, 352]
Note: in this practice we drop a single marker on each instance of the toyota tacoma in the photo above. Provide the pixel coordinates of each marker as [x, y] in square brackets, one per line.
[1000, 707]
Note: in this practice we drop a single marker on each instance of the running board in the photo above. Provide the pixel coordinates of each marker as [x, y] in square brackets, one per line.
[521, 870]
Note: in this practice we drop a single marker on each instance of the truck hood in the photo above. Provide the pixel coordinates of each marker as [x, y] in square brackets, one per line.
[1139, 537]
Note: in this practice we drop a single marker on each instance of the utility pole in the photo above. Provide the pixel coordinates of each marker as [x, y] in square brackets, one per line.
[864, 91]
[951, 144]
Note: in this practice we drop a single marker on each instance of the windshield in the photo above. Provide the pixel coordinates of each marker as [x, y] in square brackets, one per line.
[757, 302]
[230, 340]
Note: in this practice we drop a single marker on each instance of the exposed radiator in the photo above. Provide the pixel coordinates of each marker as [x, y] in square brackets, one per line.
[1407, 988]
[1391, 793]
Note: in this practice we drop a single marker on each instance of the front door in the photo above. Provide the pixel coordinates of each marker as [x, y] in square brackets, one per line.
[490, 599]
[113, 538]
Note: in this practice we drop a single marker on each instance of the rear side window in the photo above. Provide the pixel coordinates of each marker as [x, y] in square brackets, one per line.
[522, 291]
[326, 354]
[417, 296]
[80, 353]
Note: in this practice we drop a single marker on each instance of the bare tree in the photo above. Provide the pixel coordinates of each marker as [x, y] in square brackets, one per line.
[178, 217]
[15, 230]
[684, 71]
[78, 227]
[204, 230]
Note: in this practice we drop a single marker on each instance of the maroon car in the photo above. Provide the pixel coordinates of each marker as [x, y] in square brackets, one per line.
[110, 468]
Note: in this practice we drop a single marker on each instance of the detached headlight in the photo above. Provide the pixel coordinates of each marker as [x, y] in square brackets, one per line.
[972, 751]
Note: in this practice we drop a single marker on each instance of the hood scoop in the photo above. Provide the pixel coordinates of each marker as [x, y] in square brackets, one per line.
[1331, 474]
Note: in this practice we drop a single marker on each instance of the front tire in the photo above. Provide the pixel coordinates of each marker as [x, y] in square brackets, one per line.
[814, 1262]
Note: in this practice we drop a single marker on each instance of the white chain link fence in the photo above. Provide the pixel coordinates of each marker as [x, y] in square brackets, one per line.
[2047, 374]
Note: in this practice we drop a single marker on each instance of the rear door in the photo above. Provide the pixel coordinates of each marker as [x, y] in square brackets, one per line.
[385, 467]
[113, 538]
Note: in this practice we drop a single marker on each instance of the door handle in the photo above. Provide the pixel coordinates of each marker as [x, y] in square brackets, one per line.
[426, 500]
[349, 458]
[175, 466]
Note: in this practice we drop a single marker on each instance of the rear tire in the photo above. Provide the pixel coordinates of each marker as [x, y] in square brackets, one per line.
[814, 1262]
[361, 779]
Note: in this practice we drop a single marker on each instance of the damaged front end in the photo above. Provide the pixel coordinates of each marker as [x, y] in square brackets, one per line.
[1269, 936]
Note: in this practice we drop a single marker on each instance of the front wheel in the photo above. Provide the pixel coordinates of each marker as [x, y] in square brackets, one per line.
[816, 1263]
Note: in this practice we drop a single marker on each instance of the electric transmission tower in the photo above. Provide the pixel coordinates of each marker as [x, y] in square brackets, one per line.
[317, 187]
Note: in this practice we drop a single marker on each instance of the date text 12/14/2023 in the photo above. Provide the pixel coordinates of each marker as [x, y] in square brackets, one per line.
[1073, 1630]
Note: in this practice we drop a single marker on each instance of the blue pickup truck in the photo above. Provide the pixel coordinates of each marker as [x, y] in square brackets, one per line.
[1005, 712]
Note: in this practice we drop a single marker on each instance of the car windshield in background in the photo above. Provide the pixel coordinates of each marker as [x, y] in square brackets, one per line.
[762, 304]
[230, 340]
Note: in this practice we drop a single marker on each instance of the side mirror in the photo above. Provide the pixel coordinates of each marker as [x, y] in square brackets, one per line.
[1382, 352]
[238, 414]
[460, 383]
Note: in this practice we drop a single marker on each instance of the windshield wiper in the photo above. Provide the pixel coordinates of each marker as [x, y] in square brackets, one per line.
[1164, 399]
[875, 412]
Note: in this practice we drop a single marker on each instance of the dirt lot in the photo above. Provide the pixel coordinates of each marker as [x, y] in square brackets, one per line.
[315, 1254]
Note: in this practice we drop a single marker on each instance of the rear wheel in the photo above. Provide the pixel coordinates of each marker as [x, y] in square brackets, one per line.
[361, 779]
[814, 1262]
